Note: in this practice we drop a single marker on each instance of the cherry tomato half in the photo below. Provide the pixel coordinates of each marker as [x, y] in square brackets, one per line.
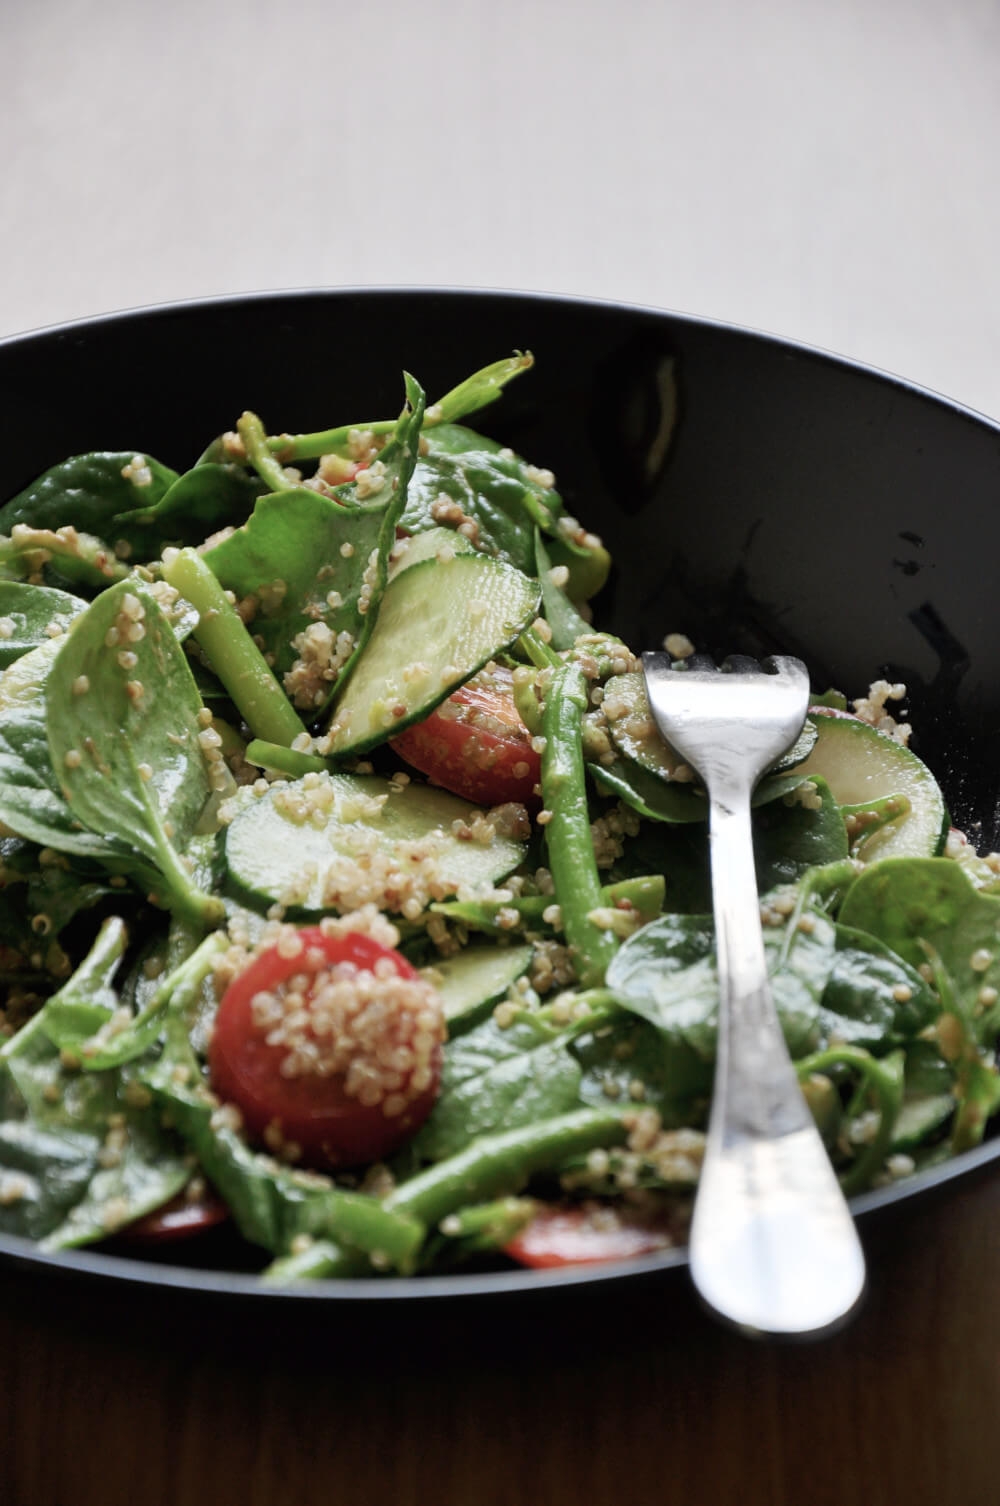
[181, 1218]
[575, 1234]
[335, 1050]
[475, 744]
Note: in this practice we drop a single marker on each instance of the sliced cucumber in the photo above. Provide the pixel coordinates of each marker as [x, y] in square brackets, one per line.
[476, 978]
[919, 1118]
[440, 621]
[330, 842]
[862, 765]
[427, 546]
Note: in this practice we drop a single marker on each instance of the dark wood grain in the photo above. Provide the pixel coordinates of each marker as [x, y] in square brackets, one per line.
[656, 1405]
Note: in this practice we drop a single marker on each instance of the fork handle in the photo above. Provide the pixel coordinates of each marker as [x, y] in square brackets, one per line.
[773, 1245]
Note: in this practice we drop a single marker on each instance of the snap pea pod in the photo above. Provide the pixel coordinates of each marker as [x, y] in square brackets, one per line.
[476, 392]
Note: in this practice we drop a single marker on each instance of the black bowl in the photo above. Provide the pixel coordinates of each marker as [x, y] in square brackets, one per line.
[757, 495]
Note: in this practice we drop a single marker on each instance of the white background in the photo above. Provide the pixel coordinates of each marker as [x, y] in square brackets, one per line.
[827, 169]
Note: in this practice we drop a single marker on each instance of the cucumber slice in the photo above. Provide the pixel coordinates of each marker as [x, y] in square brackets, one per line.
[331, 842]
[861, 764]
[427, 546]
[633, 731]
[476, 978]
[440, 621]
[919, 1118]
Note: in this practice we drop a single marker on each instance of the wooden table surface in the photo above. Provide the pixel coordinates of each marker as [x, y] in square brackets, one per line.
[605, 1401]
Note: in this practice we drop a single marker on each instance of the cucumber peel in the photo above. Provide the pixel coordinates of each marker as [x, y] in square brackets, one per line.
[440, 621]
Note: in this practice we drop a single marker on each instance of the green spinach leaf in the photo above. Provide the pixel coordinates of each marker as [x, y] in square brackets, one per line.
[123, 731]
[195, 504]
[316, 562]
[489, 487]
[667, 974]
[497, 1079]
[915, 903]
[90, 493]
[873, 998]
[31, 615]
[31, 800]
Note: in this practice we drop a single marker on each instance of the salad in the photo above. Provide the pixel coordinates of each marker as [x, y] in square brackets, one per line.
[350, 898]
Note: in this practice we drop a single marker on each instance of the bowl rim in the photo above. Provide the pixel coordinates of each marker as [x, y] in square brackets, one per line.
[137, 1274]
[458, 291]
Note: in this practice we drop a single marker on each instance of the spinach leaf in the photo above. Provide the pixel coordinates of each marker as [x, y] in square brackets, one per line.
[873, 998]
[271, 1204]
[92, 1024]
[667, 974]
[122, 721]
[31, 615]
[497, 1079]
[561, 615]
[915, 903]
[140, 1167]
[80, 1154]
[42, 897]
[310, 560]
[194, 505]
[90, 492]
[675, 1079]
[491, 487]
[64, 555]
[47, 1158]
[790, 836]
[31, 800]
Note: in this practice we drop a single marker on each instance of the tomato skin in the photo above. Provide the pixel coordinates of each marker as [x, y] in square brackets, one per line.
[181, 1218]
[570, 1234]
[476, 745]
[331, 1127]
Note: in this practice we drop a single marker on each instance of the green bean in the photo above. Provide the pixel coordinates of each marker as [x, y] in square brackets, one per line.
[567, 833]
[270, 470]
[322, 1258]
[284, 760]
[496, 1165]
[884, 1076]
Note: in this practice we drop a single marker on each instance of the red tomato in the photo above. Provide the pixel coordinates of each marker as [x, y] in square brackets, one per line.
[475, 744]
[179, 1219]
[574, 1234]
[342, 1062]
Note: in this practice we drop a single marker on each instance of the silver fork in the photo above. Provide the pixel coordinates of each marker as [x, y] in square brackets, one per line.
[773, 1246]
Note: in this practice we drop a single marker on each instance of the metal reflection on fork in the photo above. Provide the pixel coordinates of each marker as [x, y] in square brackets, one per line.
[773, 1246]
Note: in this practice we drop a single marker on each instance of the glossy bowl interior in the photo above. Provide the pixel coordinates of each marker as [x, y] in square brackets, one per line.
[757, 495]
